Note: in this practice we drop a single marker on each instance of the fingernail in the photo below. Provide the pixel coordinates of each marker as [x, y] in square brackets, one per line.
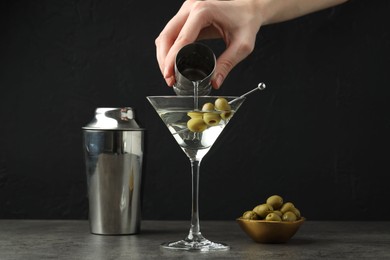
[170, 81]
[219, 81]
[166, 73]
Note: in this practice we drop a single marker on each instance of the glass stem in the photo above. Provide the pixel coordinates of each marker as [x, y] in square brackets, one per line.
[194, 233]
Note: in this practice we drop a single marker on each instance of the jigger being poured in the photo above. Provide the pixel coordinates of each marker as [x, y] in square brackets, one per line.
[194, 68]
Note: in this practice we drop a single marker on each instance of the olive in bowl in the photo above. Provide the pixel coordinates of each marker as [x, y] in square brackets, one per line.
[274, 221]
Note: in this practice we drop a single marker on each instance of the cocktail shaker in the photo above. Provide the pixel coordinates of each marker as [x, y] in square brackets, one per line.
[113, 147]
[194, 64]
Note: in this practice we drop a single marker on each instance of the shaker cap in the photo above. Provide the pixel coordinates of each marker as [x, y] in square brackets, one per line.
[112, 118]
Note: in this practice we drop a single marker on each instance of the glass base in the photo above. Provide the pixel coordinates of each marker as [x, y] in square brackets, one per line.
[192, 245]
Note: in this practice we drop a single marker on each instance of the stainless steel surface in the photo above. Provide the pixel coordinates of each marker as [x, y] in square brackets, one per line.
[195, 62]
[113, 146]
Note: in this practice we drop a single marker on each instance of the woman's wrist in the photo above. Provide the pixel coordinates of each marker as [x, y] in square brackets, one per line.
[274, 11]
[265, 10]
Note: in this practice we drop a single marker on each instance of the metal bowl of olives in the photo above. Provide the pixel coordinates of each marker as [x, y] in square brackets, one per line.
[271, 222]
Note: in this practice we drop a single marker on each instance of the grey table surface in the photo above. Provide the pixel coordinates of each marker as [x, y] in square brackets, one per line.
[71, 239]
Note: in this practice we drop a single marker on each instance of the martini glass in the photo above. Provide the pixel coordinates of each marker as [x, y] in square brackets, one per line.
[176, 112]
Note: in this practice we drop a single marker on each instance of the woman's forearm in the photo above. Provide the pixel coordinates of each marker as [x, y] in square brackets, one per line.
[274, 11]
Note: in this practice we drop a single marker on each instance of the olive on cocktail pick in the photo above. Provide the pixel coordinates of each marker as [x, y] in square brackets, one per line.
[222, 104]
[211, 118]
[226, 115]
[195, 114]
[208, 107]
[196, 125]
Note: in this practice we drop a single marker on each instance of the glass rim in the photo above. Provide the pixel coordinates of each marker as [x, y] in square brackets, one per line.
[166, 96]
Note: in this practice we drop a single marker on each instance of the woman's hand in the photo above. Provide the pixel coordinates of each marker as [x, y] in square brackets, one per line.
[236, 22]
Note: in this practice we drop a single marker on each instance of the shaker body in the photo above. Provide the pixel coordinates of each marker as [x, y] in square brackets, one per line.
[113, 160]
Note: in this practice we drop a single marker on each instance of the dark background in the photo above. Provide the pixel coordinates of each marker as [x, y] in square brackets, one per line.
[318, 135]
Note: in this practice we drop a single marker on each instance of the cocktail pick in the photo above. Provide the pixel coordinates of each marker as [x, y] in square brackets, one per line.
[260, 86]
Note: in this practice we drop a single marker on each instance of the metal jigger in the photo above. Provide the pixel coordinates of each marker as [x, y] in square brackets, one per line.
[194, 64]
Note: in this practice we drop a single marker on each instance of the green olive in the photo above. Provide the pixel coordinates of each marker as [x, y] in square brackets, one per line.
[273, 217]
[275, 201]
[263, 210]
[287, 207]
[208, 107]
[250, 215]
[194, 114]
[226, 115]
[222, 104]
[196, 125]
[277, 212]
[289, 216]
[296, 212]
[211, 119]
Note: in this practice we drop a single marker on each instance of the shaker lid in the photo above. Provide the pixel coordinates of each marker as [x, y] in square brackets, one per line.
[113, 118]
